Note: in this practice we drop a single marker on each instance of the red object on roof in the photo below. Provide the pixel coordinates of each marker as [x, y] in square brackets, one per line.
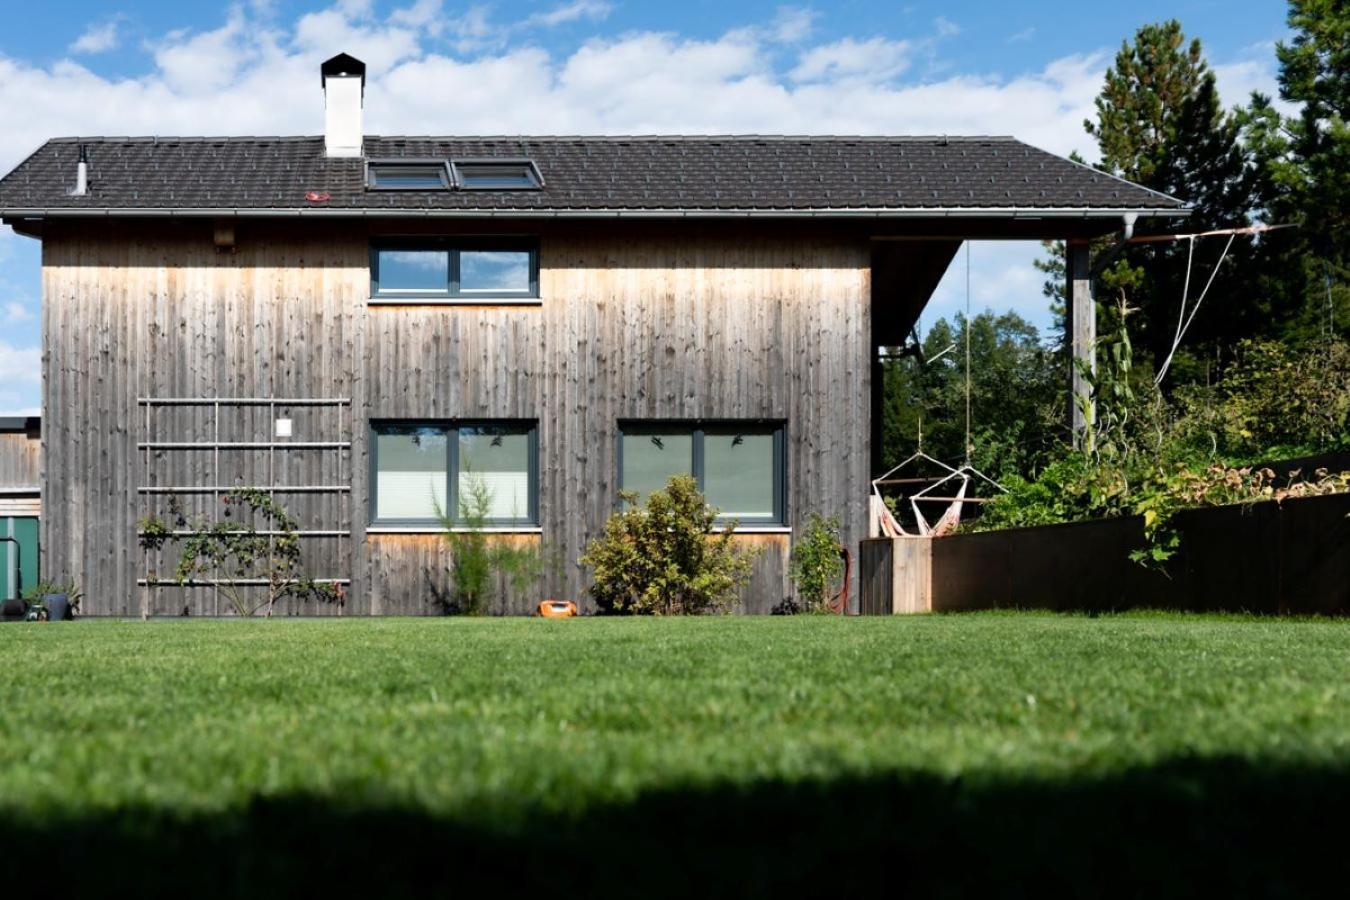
[318, 196]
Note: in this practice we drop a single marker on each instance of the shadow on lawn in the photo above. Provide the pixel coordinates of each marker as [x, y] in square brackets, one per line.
[1224, 828]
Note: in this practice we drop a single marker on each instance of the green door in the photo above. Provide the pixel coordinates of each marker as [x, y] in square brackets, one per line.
[18, 561]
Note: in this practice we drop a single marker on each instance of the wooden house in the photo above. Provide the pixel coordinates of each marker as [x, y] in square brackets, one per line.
[358, 324]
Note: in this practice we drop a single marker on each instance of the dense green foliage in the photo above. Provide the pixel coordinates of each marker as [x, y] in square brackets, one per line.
[1152, 456]
[667, 557]
[1017, 396]
[1274, 402]
[657, 757]
[1310, 157]
[816, 565]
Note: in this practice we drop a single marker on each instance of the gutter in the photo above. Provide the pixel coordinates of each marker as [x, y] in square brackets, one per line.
[912, 212]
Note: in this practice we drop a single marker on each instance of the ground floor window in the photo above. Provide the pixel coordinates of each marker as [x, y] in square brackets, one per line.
[738, 466]
[472, 472]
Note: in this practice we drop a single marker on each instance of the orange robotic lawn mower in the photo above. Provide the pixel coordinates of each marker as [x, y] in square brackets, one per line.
[557, 609]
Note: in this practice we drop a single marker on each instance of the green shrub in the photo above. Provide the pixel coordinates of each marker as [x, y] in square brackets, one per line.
[665, 558]
[1152, 456]
[1273, 402]
[1156, 490]
[479, 560]
[816, 564]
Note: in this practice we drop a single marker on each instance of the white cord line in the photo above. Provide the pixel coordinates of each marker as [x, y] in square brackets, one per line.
[1184, 321]
[1185, 293]
[968, 447]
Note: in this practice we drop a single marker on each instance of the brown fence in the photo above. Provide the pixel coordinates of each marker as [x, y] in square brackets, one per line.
[1291, 557]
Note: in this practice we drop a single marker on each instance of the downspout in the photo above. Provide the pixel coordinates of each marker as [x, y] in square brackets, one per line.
[13, 558]
[1113, 252]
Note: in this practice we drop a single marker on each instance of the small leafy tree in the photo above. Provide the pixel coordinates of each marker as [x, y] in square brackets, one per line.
[816, 564]
[665, 558]
[477, 559]
[234, 551]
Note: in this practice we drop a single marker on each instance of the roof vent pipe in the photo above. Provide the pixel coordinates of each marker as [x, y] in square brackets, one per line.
[344, 88]
[82, 174]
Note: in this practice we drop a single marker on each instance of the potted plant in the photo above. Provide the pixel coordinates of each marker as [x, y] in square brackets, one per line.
[53, 601]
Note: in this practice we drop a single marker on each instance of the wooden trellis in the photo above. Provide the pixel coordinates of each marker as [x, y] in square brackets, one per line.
[206, 476]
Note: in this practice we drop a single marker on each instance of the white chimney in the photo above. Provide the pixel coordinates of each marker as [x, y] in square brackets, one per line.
[344, 87]
[82, 174]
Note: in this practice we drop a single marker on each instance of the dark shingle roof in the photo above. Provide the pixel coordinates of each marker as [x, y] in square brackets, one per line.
[610, 173]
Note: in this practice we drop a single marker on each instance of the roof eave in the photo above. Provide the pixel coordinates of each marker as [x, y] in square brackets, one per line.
[914, 212]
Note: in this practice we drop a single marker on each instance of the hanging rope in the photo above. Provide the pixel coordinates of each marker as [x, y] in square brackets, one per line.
[1183, 320]
[968, 441]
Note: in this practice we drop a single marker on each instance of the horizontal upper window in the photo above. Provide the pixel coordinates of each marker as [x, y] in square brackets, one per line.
[408, 175]
[497, 175]
[739, 467]
[470, 473]
[462, 270]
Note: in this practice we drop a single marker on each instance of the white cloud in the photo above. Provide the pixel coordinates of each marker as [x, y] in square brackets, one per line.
[250, 76]
[1022, 36]
[876, 59]
[355, 9]
[1256, 71]
[97, 39]
[792, 24]
[21, 365]
[14, 311]
[946, 27]
[593, 10]
[422, 14]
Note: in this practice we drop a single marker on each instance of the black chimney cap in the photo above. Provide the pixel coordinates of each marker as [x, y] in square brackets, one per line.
[343, 65]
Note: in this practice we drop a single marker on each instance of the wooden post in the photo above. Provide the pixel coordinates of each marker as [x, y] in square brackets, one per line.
[1080, 322]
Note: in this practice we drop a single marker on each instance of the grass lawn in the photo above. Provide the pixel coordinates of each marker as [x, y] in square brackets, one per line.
[964, 755]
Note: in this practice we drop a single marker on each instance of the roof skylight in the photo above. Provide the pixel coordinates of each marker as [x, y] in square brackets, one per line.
[497, 175]
[408, 175]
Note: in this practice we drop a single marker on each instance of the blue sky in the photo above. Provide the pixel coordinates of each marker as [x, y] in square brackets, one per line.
[1028, 68]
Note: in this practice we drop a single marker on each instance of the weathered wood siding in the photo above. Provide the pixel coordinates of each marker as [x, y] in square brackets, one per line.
[644, 322]
[20, 459]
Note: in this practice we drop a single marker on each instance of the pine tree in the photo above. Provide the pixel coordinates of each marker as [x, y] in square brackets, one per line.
[1160, 123]
[1304, 169]
[1315, 72]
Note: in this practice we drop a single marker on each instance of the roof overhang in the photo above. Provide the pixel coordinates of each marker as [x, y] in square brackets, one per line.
[909, 212]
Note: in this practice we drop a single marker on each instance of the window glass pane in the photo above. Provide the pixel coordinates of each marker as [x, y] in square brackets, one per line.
[738, 474]
[410, 472]
[489, 176]
[408, 177]
[494, 473]
[650, 459]
[494, 270]
[414, 270]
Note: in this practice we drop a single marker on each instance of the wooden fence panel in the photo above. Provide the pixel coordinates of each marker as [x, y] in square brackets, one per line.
[1265, 558]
